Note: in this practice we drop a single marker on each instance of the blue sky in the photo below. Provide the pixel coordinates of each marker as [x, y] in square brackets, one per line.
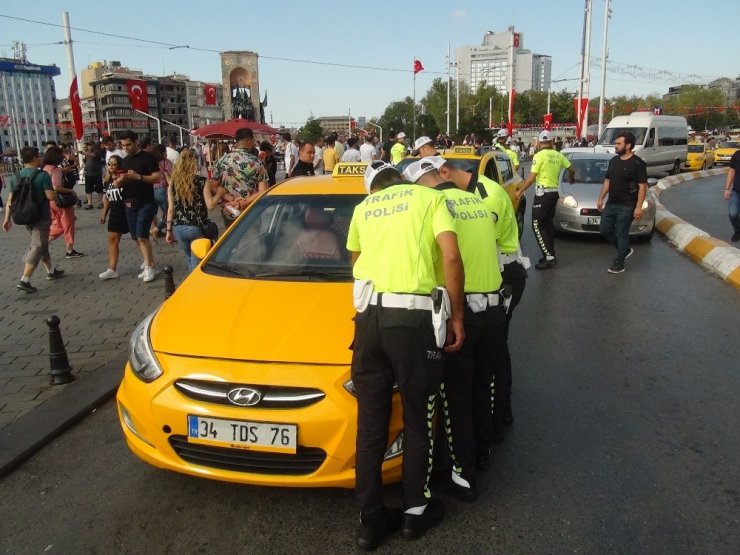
[676, 37]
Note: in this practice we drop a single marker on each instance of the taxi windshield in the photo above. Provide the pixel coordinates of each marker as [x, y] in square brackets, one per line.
[730, 144]
[610, 134]
[467, 164]
[289, 237]
[696, 148]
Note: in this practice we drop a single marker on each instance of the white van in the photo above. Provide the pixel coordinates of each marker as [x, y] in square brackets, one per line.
[662, 141]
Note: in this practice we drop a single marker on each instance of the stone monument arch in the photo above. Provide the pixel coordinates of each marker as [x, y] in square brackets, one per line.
[240, 79]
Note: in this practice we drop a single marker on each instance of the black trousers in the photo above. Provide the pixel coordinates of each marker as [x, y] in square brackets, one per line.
[515, 276]
[543, 214]
[466, 390]
[394, 345]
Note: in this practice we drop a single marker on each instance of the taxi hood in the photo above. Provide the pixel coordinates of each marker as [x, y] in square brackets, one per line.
[257, 320]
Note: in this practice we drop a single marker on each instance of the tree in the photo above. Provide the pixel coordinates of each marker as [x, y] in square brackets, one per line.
[398, 116]
[311, 131]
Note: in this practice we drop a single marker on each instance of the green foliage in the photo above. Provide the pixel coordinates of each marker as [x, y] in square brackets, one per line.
[311, 131]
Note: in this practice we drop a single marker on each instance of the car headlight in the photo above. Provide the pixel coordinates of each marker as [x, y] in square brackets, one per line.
[140, 353]
[570, 201]
[645, 205]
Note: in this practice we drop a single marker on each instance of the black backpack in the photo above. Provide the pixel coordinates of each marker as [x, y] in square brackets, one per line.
[24, 208]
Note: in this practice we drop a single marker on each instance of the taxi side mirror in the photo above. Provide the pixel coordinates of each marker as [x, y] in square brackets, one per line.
[651, 183]
[200, 248]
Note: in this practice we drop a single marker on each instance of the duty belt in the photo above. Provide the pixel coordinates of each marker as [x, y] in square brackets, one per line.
[540, 189]
[508, 258]
[402, 300]
[478, 302]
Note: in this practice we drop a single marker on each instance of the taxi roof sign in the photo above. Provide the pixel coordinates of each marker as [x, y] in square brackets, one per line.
[463, 150]
[349, 169]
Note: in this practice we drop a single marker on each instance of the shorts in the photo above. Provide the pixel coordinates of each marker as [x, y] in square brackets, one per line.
[140, 219]
[93, 184]
[117, 221]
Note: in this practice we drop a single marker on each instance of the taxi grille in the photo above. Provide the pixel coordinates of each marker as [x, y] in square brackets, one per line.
[305, 461]
[269, 397]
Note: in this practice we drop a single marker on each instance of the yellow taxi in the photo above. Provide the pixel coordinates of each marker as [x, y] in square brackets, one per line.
[494, 164]
[243, 374]
[725, 150]
[699, 157]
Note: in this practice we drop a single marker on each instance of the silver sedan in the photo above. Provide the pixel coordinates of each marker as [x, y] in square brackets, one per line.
[576, 210]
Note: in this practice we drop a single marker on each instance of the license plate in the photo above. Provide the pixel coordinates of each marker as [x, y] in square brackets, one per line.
[240, 434]
[593, 220]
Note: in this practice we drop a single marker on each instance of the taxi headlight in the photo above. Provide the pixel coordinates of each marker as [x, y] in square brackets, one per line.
[140, 353]
[570, 201]
[645, 205]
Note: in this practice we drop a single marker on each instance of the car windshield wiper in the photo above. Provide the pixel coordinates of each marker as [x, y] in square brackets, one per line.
[228, 269]
[326, 274]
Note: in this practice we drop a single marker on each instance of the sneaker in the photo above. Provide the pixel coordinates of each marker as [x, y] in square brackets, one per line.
[370, 537]
[149, 274]
[615, 269]
[56, 274]
[109, 274]
[26, 286]
[632, 251]
[735, 237]
[415, 526]
[73, 254]
[88, 206]
[142, 268]
[546, 264]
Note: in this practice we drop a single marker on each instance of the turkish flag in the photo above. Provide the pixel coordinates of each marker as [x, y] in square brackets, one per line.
[510, 123]
[548, 122]
[210, 93]
[516, 40]
[137, 94]
[418, 67]
[580, 113]
[74, 100]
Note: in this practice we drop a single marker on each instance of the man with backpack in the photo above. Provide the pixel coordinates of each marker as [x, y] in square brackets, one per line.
[28, 204]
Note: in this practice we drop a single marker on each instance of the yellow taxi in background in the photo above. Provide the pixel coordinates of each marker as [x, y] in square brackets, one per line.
[699, 157]
[243, 374]
[494, 164]
[725, 150]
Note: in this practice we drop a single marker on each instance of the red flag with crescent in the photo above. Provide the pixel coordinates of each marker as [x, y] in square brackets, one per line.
[418, 67]
[137, 94]
[548, 122]
[209, 92]
[74, 101]
[516, 40]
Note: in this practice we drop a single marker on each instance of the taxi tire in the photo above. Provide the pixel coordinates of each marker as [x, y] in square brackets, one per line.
[520, 216]
[676, 169]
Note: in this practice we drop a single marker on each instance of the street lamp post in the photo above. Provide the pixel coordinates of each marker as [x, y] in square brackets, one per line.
[378, 126]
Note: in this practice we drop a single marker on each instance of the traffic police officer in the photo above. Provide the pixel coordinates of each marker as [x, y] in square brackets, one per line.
[397, 235]
[546, 166]
[466, 386]
[502, 143]
[514, 275]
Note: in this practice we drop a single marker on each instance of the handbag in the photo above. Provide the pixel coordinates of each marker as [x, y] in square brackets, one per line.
[65, 200]
[209, 229]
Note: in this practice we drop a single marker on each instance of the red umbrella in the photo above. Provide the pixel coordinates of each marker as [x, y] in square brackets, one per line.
[227, 129]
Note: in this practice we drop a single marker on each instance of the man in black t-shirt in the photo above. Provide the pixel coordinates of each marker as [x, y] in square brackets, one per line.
[304, 166]
[732, 195]
[626, 185]
[141, 172]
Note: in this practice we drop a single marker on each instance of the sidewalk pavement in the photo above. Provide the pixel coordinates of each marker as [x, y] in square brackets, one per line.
[97, 318]
[717, 256]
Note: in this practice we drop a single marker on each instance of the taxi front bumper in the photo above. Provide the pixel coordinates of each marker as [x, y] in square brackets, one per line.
[154, 418]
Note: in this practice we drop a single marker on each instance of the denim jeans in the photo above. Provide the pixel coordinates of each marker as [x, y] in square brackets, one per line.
[735, 210]
[184, 235]
[615, 226]
[160, 198]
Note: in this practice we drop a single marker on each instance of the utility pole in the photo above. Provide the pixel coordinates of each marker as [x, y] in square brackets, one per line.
[448, 89]
[72, 77]
[604, 57]
[587, 82]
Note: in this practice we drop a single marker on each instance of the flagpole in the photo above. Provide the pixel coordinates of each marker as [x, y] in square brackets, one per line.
[448, 89]
[413, 64]
[72, 72]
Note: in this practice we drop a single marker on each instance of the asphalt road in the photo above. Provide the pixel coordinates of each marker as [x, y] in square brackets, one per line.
[626, 440]
[700, 203]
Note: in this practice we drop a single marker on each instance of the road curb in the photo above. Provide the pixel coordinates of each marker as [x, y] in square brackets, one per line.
[716, 255]
[35, 429]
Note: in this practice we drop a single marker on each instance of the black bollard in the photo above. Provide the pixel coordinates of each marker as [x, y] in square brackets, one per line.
[59, 368]
[169, 282]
